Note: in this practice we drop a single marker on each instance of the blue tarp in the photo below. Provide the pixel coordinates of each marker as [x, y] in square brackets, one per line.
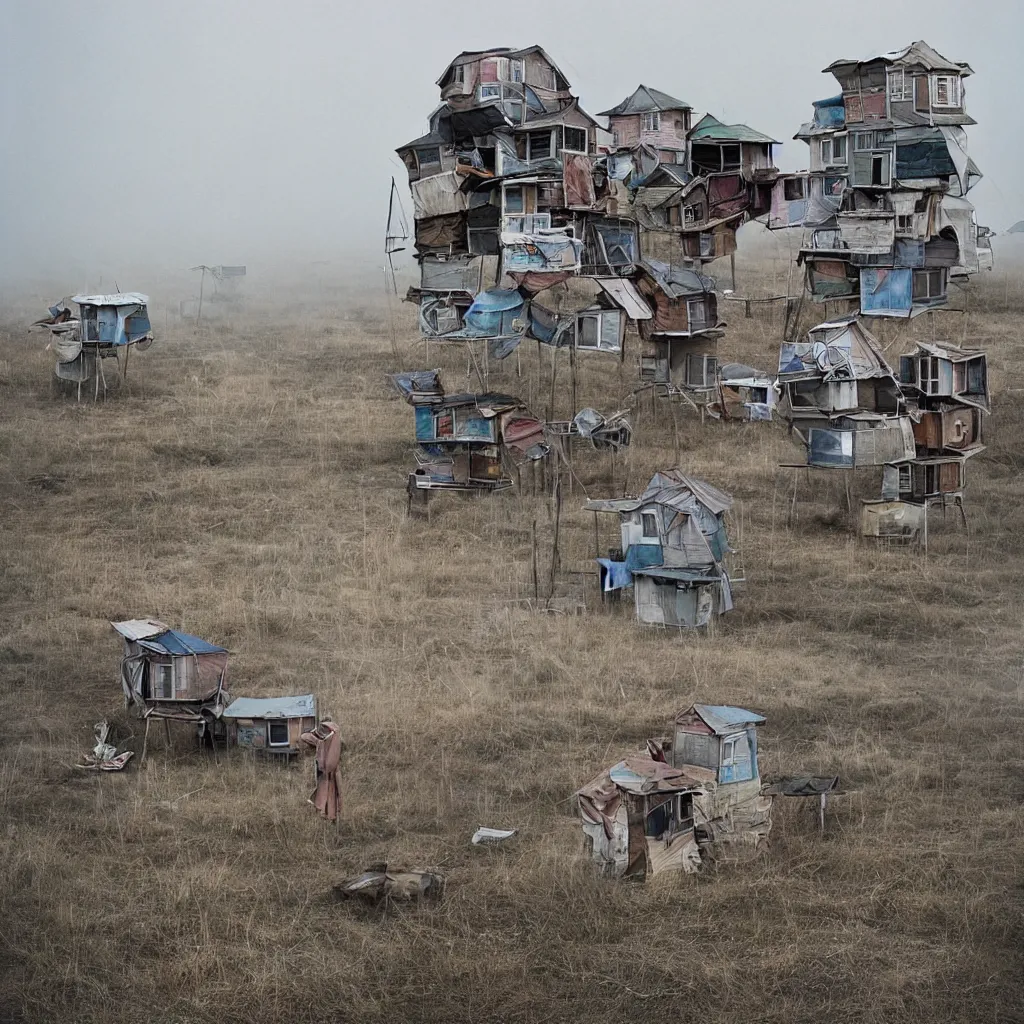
[178, 644]
[492, 313]
[830, 112]
[638, 556]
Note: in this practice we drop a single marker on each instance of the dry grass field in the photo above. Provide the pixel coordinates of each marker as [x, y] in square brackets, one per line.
[248, 486]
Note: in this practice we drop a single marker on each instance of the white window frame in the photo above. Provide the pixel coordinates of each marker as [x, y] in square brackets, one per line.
[551, 146]
[863, 141]
[953, 99]
[278, 721]
[836, 158]
[459, 74]
[904, 224]
[599, 316]
[651, 121]
[520, 190]
[906, 478]
[652, 515]
[896, 82]
[158, 682]
[565, 141]
[484, 91]
[825, 151]
[516, 71]
[526, 223]
[691, 217]
[502, 68]
[707, 244]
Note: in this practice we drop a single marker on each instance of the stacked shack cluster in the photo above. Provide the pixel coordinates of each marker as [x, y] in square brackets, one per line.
[532, 220]
[886, 225]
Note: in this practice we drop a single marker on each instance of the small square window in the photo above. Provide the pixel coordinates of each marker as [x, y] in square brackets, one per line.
[794, 189]
[652, 121]
[514, 201]
[575, 139]
[277, 733]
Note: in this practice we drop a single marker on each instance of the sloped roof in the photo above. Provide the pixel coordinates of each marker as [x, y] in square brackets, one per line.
[136, 629]
[177, 644]
[645, 100]
[471, 56]
[709, 127]
[640, 774]
[722, 718]
[1017, 229]
[676, 281]
[916, 53]
[558, 116]
[117, 299]
[674, 488]
[301, 706]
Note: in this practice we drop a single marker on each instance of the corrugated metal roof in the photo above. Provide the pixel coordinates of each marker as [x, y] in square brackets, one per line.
[117, 299]
[301, 706]
[178, 644]
[623, 293]
[645, 100]
[723, 718]
[136, 629]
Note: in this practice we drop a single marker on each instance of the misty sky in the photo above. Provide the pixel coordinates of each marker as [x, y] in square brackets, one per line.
[223, 131]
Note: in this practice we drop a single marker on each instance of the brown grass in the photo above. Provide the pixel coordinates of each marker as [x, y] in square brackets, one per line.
[248, 486]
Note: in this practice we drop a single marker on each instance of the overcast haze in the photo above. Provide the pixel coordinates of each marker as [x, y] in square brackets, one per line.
[221, 131]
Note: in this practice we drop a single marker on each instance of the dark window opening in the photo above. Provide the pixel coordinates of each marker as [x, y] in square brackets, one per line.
[277, 733]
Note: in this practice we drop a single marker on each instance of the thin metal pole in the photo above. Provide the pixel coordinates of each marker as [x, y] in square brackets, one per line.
[202, 281]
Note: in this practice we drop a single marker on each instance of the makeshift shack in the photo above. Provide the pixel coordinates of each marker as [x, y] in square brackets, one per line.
[743, 394]
[106, 326]
[648, 814]
[163, 666]
[466, 441]
[270, 725]
[173, 676]
[673, 551]
[640, 817]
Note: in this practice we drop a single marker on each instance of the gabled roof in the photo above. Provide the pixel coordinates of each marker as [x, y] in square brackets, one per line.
[472, 56]
[709, 127]
[721, 718]
[919, 53]
[645, 100]
[302, 706]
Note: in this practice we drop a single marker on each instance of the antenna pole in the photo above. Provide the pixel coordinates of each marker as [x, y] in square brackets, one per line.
[202, 280]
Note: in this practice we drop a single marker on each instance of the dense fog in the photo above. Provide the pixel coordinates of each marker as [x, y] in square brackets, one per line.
[142, 138]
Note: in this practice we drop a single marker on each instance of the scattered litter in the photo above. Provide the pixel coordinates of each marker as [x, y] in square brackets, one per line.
[380, 884]
[491, 836]
[104, 756]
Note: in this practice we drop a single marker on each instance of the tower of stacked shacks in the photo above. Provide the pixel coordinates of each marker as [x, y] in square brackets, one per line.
[532, 220]
[886, 225]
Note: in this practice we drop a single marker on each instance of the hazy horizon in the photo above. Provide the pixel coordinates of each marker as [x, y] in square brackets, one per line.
[230, 132]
